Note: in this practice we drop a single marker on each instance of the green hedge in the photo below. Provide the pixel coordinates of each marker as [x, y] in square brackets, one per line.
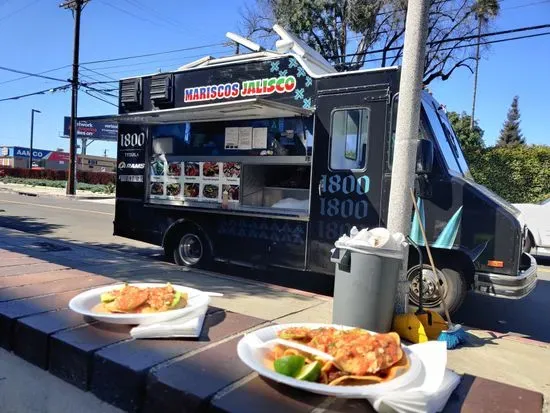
[519, 174]
[96, 188]
[87, 177]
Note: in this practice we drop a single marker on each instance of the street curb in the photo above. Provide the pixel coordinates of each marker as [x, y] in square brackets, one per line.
[55, 195]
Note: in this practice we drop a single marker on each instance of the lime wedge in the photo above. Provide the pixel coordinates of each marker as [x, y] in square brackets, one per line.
[311, 372]
[107, 298]
[289, 365]
[176, 299]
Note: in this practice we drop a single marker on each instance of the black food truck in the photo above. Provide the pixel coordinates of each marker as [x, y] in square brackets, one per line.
[268, 157]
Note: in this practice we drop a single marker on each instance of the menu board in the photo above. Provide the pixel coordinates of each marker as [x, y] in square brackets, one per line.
[194, 181]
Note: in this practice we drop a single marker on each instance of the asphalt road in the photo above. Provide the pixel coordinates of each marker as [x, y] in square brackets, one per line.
[91, 223]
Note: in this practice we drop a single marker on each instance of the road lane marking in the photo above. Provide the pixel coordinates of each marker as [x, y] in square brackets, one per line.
[57, 207]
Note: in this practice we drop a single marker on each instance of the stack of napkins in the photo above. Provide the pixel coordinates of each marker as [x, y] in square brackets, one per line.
[430, 392]
[189, 325]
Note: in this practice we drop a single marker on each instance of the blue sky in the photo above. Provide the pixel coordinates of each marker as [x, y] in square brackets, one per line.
[37, 36]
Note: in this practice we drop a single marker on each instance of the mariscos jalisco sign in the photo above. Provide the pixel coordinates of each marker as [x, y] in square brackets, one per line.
[255, 87]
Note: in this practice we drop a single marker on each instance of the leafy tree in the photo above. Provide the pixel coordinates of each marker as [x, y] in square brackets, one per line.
[352, 33]
[471, 140]
[510, 133]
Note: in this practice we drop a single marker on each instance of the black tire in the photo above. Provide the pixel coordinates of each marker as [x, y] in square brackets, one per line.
[191, 249]
[528, 244]
[454, 287]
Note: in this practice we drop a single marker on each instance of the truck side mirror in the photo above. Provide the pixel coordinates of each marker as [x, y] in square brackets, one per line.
[424, 156]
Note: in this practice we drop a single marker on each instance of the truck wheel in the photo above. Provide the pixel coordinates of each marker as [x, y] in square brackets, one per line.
[453, 285]
[528, 244]
[192, 250]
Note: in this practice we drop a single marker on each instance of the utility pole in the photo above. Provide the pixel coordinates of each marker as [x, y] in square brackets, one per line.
[406, 134]
[472, 120]
[32, 135]
[76, 6]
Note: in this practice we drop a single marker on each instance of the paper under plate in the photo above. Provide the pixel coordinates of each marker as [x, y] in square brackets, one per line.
[84, 302]
[254, 358]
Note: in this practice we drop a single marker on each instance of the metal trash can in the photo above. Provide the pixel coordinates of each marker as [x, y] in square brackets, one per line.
[365, 285]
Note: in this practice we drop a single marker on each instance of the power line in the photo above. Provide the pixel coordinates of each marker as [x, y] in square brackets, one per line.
[456, 10]
[28, 74]
[40, 92]
[97, 73]
[102, 91]
[156, 61]
[528, 36]
[93, 79]
[148, 9]
[19, 10]
[140, 18]
[98, 98]
[31, 75]
[454, 39]
[116, 59]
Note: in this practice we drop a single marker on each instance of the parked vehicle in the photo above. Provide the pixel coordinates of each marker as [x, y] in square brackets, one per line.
[537, 219]
[267, 158]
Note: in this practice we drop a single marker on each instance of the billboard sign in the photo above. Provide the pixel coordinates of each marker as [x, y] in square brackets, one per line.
[86, 129]
[19, 152]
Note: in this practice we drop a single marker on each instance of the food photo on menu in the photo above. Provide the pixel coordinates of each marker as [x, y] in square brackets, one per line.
[191, 190]
[157, 188]
[173, 189]
[174, 169]
[233, 191]
[210, 169]
[232, 170]
[211, 191]
[157, 167]
[192, 169]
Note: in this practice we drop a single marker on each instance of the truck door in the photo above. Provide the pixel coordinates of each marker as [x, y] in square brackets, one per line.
[347, 167]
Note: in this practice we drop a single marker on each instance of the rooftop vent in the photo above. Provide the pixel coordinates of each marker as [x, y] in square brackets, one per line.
[130, 92]
[162, 89]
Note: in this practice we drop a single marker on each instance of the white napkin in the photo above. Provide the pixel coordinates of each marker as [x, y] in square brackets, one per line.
[430, 392]
[189, 325]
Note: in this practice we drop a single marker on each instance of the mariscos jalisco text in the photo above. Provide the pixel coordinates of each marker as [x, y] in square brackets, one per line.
[281, 84]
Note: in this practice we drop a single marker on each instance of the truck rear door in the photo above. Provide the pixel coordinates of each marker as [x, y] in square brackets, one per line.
[348, 156]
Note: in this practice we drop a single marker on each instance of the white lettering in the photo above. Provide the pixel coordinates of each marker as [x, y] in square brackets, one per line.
[130, 178]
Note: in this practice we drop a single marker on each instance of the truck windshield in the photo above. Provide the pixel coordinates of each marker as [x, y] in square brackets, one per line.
[448, 147]
[453, 140]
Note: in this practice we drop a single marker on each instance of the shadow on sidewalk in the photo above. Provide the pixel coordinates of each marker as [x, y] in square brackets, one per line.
[115, 261]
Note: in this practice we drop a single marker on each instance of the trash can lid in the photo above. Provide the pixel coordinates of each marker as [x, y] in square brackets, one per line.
[377, 241]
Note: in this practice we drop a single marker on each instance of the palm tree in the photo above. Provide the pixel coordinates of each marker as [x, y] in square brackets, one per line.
[484, 10]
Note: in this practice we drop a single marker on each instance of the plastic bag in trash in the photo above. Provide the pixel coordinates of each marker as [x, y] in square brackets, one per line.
[379, 238]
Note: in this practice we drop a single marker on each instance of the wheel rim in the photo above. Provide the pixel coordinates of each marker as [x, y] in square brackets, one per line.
[190, 249]
[431, 297]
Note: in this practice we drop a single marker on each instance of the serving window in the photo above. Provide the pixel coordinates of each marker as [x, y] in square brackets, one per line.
[256, 165]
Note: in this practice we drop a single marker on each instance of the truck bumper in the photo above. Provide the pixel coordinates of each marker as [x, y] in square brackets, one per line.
[507, 286]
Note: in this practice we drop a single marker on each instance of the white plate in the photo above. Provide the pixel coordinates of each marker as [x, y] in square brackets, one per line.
[84, 302]
[254, 358]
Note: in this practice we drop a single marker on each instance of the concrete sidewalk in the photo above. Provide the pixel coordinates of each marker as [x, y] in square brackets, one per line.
[505, 358]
